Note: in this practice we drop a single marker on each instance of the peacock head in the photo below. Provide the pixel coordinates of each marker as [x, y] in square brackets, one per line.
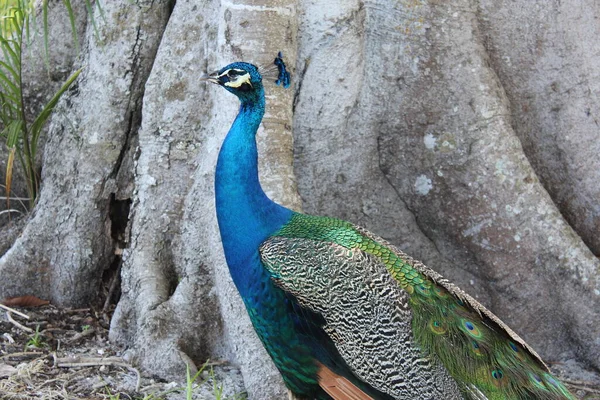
[240, 78]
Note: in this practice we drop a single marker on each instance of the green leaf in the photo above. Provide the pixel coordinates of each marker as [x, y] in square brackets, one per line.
[8, 109]
[9, 132]
[18, 23]
[9, 174]
[11, 70]
[13, 56]
[28, 23]
[9, 85]
[16, 19]
[13, 132]
[46, 46]
[38, 124]
[100, 10]
[13, 104]
[90, 10]
[67, 4]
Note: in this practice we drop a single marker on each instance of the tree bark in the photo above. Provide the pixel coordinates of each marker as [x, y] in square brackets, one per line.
[421, 131]
[552, 80]
[177, 293]
[67, 242]
[448, 129]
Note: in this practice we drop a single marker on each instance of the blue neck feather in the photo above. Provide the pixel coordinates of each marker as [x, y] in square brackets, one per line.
[245, 214]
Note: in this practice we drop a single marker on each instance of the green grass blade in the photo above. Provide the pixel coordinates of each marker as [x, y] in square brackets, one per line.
[90, 10]
[28, 23]
[8, 84]
[9, 132]
[12, 56]
[10, 69]
[38, 124]
[13, 105]
[16, 19]
[6, 21]
[9, 174]
[46, 45]
[67, 4]
[24, 168]
[18, 24]
[100, 10]
[8, 109]
[12, 134]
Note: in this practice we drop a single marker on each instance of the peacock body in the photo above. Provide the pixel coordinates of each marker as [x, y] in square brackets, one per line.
[343, 313]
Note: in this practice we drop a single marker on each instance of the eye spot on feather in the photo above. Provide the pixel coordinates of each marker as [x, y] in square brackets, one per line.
[470, 328]
[517, 352]
[423, 290]
[498, 377]
[439, 292]
[457, 304]
[438, 327]
[476, 348]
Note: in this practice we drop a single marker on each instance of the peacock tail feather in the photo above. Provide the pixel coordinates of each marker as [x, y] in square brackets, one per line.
[477, 349]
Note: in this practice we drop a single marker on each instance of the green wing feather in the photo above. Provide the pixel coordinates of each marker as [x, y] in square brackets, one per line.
[479, 351]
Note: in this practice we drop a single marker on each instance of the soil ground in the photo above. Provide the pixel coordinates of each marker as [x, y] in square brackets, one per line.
[70, 357]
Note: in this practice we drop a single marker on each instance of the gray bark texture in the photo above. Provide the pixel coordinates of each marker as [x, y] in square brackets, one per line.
[464, 132]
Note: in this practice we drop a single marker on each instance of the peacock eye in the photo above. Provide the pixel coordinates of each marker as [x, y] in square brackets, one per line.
[232, 73]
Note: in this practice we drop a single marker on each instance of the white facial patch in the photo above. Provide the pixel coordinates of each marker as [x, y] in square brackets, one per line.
[237, 80]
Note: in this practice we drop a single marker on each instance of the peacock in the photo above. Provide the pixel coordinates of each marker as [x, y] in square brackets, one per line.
[343, 313]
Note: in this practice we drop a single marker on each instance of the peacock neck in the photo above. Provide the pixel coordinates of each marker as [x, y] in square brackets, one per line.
[245, 214]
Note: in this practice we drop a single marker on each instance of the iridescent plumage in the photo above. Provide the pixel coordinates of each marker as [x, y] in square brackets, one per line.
[334, 303]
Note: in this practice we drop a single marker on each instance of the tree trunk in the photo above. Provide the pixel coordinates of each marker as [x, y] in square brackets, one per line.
[464, 133]
[420, 139]
[177, 293]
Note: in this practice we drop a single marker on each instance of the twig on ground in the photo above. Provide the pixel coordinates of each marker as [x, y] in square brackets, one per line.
[27, 354]
[76, 362]
[76, 310]
[81, 335]
[18, 325]
[12, 310]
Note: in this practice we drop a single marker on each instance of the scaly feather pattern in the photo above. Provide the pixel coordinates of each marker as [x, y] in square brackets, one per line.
[342, 313]
[447, 326]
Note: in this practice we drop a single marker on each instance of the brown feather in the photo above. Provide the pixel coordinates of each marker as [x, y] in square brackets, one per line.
[339, 387]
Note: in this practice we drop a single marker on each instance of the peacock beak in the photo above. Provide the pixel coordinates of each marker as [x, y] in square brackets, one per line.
[212, 77]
